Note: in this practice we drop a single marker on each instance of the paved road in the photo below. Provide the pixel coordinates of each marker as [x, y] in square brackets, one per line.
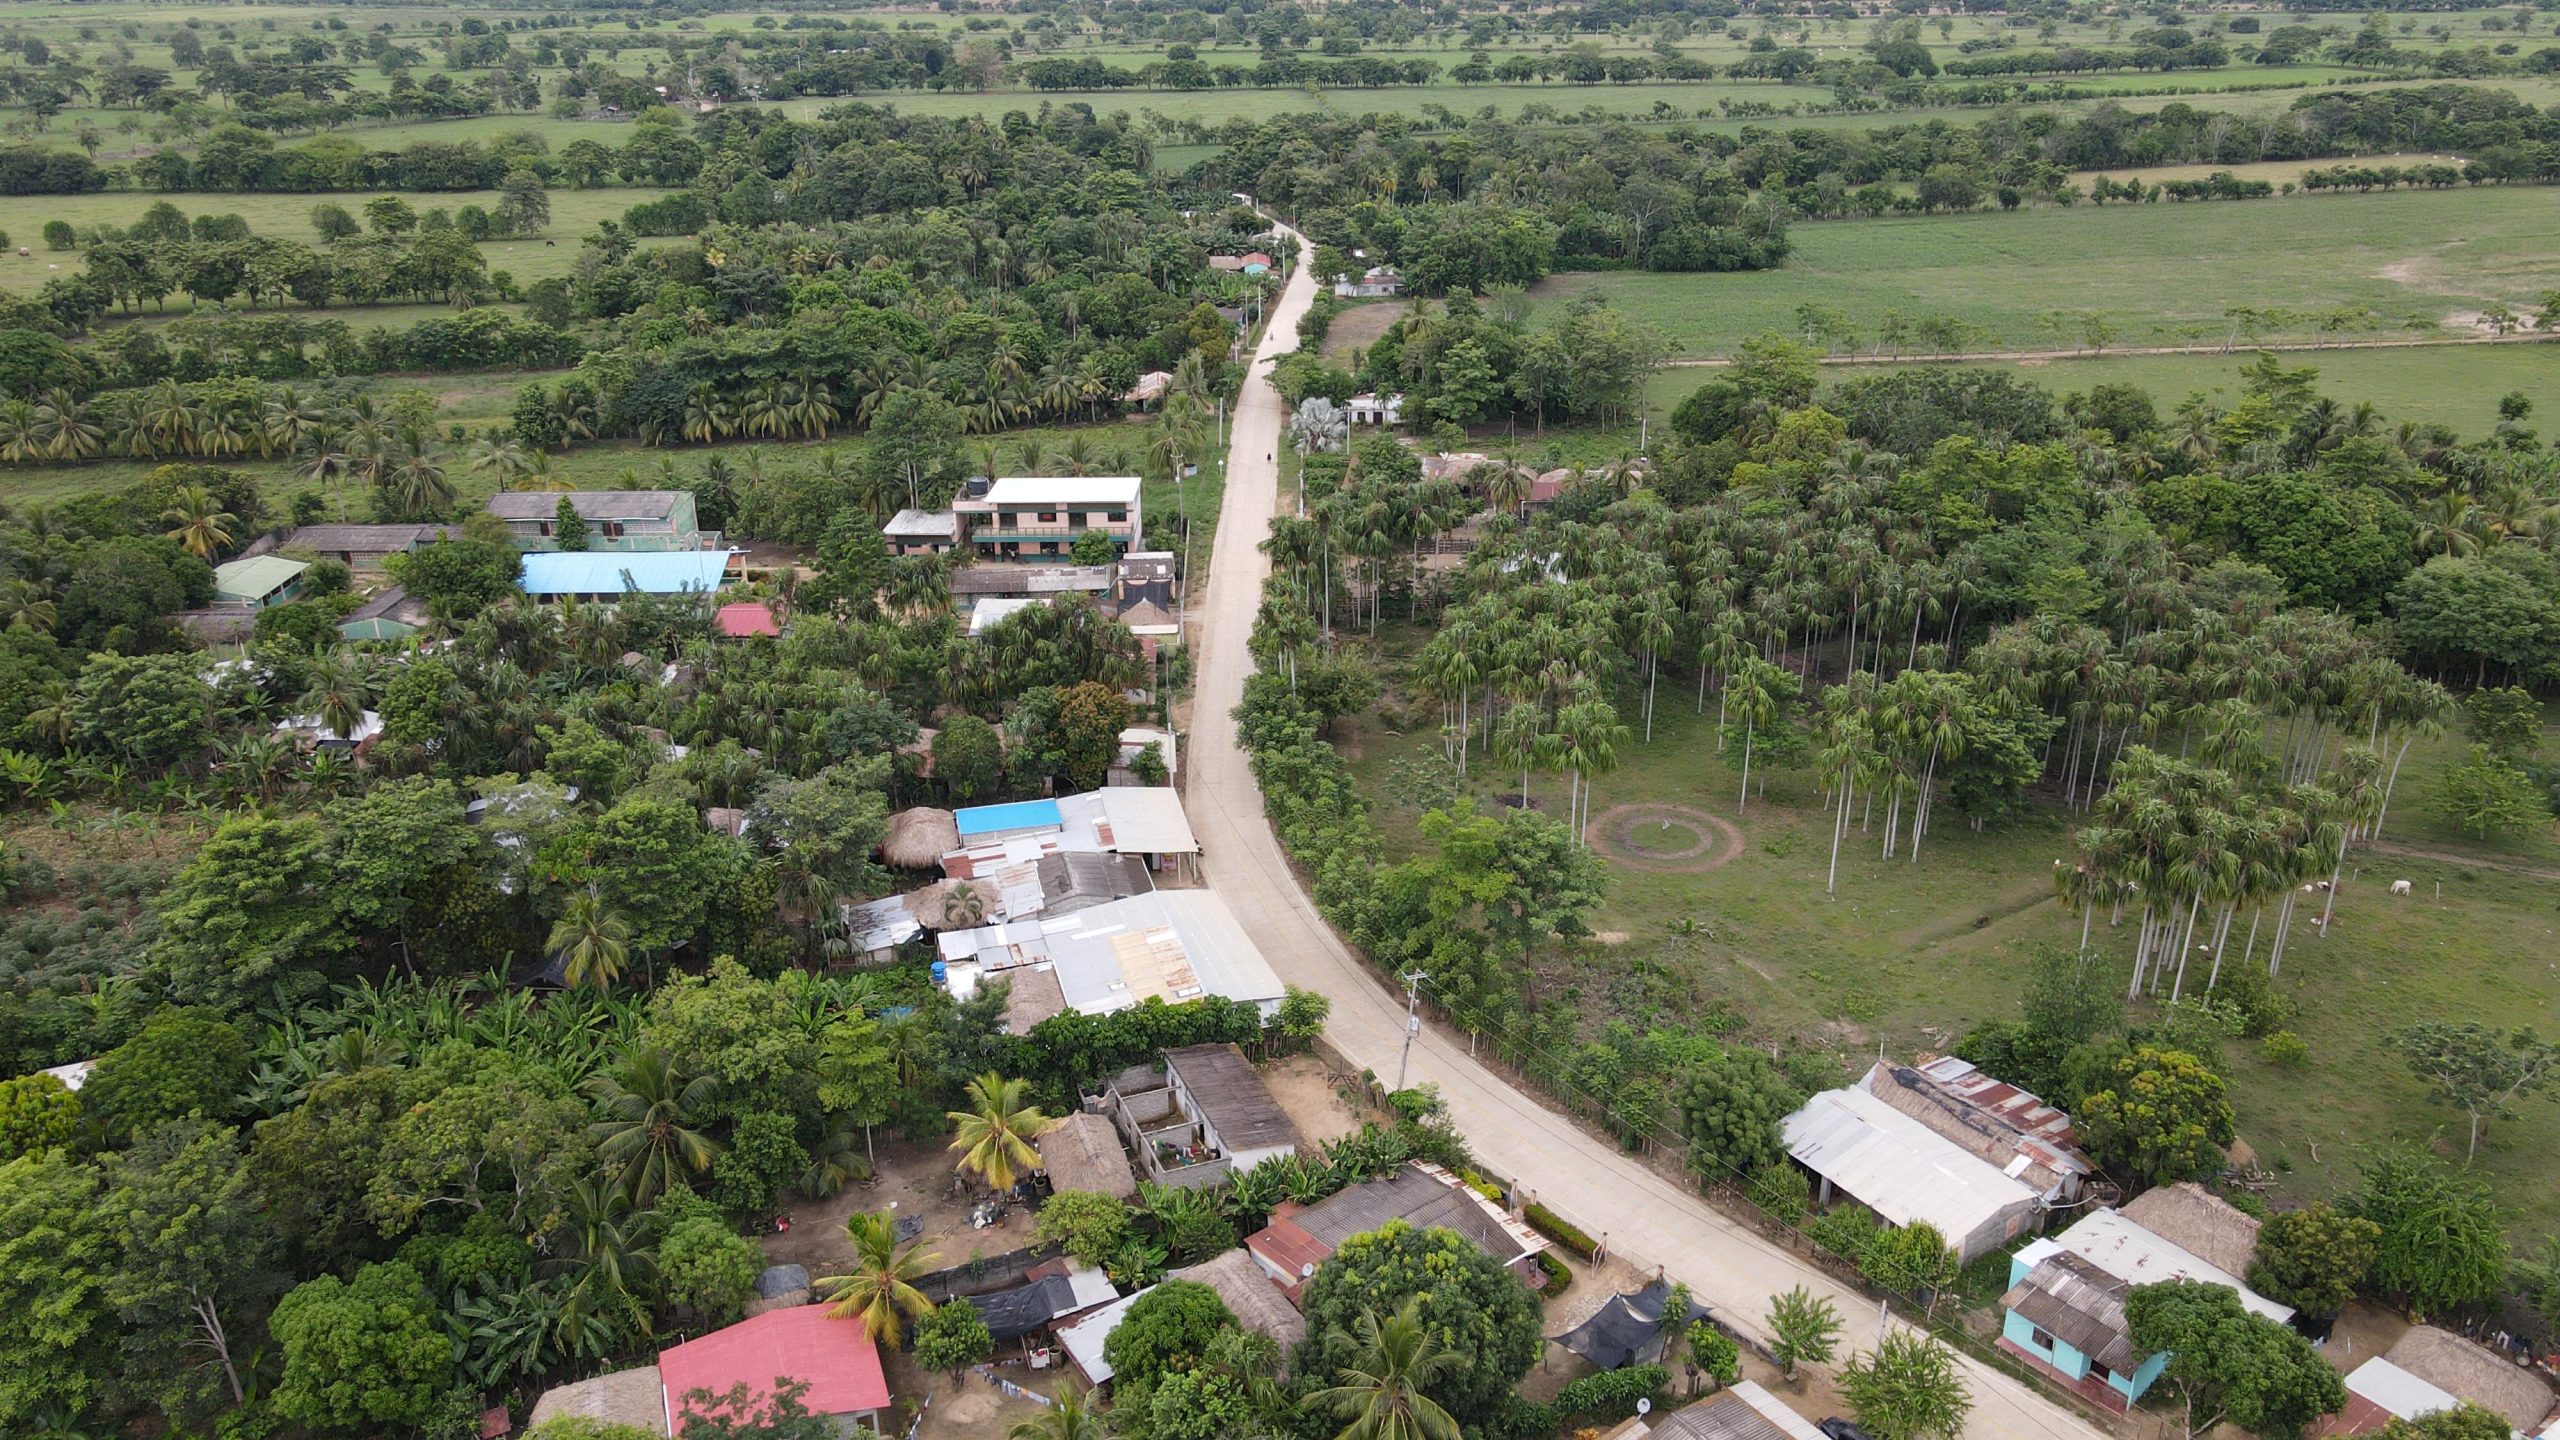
[1645, 1218]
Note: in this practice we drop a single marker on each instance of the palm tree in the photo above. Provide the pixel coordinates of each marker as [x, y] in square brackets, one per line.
[198, 522]
[590, 941]
[1390, 1363]
[881, 1286]
[645, 1108]
[1067, 1419]
[340, 691]
[995, 1134]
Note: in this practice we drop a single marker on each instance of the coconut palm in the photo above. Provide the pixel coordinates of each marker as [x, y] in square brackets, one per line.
[198, 522]
[882, 1284]
[1388, 1365]
[995, 1134]
[1067, 1419]
[645, 1109]
[590, 942]
[341, 689]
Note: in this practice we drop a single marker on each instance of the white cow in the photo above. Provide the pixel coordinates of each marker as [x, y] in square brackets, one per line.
[2399, 887]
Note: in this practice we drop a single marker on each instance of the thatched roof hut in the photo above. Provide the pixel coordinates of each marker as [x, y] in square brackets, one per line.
[919, 838]
[1082, 1152]
[2469, 1372]
[1256, 1303]
[931, 905]
[635, 1397]
[2199, 1222]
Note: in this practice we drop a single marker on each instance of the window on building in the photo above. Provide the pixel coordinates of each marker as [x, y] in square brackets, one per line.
[2041, 1340]
[1048, 517]
[2101, 1373]
[546, 527]
[1116, 517]
[613, 529]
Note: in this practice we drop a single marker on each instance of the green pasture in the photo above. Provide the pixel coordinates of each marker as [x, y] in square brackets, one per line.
[1908, 956]
[2162, 273]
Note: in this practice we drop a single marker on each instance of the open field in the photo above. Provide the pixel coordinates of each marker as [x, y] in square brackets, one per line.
[1909, 956]
[2162, 273]
[554, 251]
[2274, 172]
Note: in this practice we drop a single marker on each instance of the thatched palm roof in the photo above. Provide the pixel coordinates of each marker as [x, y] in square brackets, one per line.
[2199, 1222]
[2451, 1363]
[1251, 1296]
[931, 905]
[919, 838]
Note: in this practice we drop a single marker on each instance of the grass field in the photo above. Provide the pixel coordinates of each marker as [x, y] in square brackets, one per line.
[2163, 273]
[1909, 956]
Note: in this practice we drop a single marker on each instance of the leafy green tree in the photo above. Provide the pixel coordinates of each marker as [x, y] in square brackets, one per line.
[705, 1264]
[1730, 1109]
[2507, 719]
[568, 527]
[656, 866]
[1910, 1259]
[2314, 1259]
[362, 1355]
[37, 1112]
[763, 1156]
[1907, 1388]
[823, 830]
[1092, 547]
[149, 710]
[2444, 1242]
[1169, 1329]
[2486, 796]
[1803, 1329]
[314, 1163]
[457, 578]
[2465, 1421]
[183, 1063]
[524, 205]
[197, 1255]
[2230, 1364]
[499, 1133]
[393, 848]
[968, 758]
[1087, 1224]
[2477, 1069]
[250, 910]
[853, 568]
[954, 1337]
[56, 1254]
[1714, 1352]
[2162, 1118]
[1475, 1309]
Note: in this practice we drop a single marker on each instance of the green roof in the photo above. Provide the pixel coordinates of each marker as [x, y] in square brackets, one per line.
[255, 579]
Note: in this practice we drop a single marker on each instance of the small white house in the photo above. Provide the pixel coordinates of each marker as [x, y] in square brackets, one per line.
[1377, 282]
[1374, 409]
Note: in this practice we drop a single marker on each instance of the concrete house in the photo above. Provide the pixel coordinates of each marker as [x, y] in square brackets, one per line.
[1375, 283]
[363, 547]
[617, 520]
[1371, 408]
[1302, 1237]
[1201, 1116]
[1032, 517]
[2066, 1300]
[922, 532]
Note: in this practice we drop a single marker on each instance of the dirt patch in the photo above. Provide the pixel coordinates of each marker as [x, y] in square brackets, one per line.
[1670, 839]
[1611, 937]
[1308, 1093]
[2362, 1332]
[916, 1178]
[2403, 272]
[971, 1408]
[1359, 326]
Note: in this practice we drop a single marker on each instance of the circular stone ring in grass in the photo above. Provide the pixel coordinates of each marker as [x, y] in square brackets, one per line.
[1664, 837]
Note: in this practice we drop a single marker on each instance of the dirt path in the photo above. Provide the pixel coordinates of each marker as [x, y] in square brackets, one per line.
[1719, 842]
[1971, 357]
[2447, 857]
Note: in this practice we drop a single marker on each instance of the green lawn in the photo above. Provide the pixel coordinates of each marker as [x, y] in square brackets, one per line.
[2163, 273]
[1907, 957]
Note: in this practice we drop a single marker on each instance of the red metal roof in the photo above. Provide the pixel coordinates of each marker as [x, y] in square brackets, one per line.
[1289, 1248]
[837, 1360]
[747, 617]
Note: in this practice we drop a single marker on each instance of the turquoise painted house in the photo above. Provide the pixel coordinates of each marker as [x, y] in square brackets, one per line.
[2066, 1300]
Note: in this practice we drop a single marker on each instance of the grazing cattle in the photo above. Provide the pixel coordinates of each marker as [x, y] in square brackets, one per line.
[2399, 887]
[548, 244]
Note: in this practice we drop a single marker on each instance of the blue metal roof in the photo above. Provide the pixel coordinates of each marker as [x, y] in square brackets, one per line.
[1020, 815]
[610, 572]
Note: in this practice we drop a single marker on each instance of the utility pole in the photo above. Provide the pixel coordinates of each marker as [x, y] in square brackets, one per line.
[1412, 1020]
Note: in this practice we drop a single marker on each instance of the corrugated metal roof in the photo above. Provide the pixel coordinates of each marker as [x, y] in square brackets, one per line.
[1743, 1412]
[1231, 1097]
[2119, 1246]
[588, 504]
[1148, 820]
[1902, 1169]
[255, 579]
[612, 572]
[1107, 490]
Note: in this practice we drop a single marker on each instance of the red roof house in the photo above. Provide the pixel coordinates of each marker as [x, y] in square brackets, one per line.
[747, 618]
[834, 1357]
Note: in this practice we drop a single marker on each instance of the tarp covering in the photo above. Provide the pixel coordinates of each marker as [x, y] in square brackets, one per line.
[1628, 1329]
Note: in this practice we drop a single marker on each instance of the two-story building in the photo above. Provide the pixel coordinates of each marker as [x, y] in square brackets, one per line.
[616, 520]
[1038, 517]
[2065, 1306]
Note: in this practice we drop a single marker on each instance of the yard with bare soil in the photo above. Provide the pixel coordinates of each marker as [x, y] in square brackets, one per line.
[916, 1180]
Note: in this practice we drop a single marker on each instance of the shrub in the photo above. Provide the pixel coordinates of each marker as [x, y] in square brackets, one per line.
[1547, 1223]
[1782, 1191]
[1848, 1232]
[2286, 1048]
[1612, 1393]
[1087, 1224]
[1559, 1275]
[1715, 1352]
